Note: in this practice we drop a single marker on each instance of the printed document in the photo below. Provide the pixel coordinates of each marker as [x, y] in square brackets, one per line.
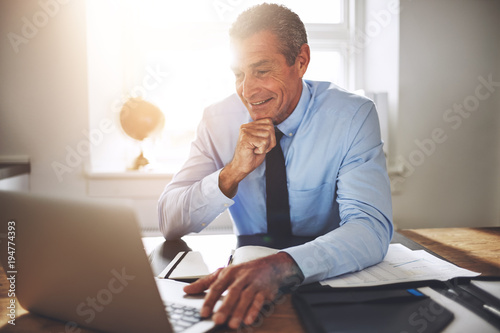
[401, 265]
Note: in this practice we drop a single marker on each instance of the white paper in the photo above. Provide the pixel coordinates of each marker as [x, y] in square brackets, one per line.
[251, 252]
[401, 265]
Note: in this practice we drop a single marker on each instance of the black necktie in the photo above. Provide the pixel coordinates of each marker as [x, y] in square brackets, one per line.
[278, 208]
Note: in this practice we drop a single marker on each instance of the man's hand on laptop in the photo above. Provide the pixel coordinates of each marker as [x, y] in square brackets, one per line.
[249, 286]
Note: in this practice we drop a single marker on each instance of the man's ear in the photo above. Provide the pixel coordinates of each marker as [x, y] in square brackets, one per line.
[302, 60]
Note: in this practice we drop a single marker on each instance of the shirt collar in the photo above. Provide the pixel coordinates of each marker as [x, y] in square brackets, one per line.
[290, 125]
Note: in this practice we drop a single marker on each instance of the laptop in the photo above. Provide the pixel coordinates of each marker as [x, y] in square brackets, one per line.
[83, 263]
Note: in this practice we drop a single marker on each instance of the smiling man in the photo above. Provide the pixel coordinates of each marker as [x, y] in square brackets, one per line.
[337, 190]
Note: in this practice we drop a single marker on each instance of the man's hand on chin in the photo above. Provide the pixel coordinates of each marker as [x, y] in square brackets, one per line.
[249, 286]
[255, 140]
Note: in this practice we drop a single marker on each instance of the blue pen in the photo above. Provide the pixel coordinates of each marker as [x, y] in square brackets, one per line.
[415, 292]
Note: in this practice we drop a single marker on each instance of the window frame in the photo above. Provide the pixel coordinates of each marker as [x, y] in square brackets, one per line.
[322, 37]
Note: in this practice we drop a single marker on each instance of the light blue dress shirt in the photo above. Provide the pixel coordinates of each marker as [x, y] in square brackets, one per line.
[336, 173]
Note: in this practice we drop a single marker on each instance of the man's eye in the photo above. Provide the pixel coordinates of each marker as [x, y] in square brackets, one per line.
[262, 72]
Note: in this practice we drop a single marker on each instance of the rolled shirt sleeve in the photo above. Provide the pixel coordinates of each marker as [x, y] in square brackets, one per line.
[193, 198]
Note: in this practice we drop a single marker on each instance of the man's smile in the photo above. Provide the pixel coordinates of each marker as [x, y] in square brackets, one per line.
[261, 102]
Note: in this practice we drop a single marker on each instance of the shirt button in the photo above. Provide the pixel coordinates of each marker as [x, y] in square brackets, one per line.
[203, 224]
[290, 134]
[226, 205]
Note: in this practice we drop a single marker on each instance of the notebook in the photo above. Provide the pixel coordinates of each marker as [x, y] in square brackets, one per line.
[323, 309]
[189, 266]
[83, 262]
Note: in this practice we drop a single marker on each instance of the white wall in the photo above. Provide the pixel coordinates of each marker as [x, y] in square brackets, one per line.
[446, 47]
[43, 94]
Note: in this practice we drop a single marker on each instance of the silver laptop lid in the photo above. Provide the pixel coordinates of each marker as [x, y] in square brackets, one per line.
[81, 262]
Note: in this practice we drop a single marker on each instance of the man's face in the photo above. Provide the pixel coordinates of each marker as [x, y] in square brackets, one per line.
[265, 83]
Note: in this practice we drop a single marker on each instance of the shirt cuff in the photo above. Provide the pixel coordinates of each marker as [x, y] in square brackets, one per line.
[211, 192]
[304, 257]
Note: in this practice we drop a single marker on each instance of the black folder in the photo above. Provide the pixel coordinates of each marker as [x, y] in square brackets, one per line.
[324, 309]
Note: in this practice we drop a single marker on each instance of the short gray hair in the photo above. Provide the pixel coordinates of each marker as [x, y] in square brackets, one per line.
[281, 21]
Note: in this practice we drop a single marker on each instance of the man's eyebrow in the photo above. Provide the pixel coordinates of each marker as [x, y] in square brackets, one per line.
[235, 69]
[255, 64]
[260, 63]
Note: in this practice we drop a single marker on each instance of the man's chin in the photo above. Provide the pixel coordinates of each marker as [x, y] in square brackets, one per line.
[256, 117]
[256, 114]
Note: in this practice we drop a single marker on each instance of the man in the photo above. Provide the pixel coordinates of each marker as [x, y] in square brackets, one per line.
[338, 188]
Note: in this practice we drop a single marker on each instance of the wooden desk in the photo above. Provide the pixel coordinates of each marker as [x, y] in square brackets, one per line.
[477, 249]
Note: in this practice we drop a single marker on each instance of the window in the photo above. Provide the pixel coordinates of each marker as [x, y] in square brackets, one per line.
[175, 55]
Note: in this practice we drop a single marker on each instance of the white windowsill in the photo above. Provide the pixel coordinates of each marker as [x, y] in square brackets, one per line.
[127, 175]
[138, 184]
[126, 184]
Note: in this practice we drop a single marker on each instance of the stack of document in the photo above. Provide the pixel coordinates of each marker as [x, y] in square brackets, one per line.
[401, 265]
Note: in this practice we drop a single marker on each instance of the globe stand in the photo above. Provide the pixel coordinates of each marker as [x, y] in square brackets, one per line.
[140, 162]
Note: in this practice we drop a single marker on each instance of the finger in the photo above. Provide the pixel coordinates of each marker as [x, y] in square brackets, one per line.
[261, 140]
[260, 143]
[267, 125]
[245, 300]
[263, 121]
[255, 308]
[201, 284]
[215, 291]
[229, 302]
[272, 141]
[262, 149]
[262, 125]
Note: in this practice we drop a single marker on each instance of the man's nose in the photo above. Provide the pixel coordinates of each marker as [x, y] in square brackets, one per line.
[250, 87]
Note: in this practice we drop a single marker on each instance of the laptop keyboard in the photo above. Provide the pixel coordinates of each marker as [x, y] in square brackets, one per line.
[182, 316]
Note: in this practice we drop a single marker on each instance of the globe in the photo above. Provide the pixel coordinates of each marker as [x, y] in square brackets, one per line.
[140, 119]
